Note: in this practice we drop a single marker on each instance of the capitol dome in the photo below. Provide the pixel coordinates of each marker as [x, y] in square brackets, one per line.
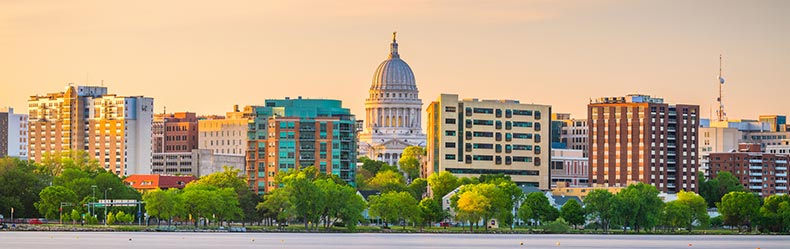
[393, 73]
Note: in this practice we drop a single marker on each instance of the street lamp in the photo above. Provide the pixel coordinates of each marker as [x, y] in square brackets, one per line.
[105, 206]
[92, 207]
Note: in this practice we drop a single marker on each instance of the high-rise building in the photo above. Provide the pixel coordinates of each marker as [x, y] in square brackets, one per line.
[570, 132]
[762, 173]
[393, 111]
[471, 137]
[287, 134]
[716, 140]
[114, 130]
[638, 138]
[175, 132]
[13, 133]
[224, 135]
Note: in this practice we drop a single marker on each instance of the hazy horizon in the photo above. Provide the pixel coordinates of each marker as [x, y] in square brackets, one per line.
[206, 57]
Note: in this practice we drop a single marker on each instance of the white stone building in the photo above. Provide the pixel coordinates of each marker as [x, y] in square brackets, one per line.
[393, 111]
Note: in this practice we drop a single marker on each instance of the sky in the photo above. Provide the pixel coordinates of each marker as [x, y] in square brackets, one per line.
[206, 56]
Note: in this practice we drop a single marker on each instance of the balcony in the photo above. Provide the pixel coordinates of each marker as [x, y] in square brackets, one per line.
[672, 161]
[307, 148]
[671, 153]
[671, 169]
[755, 174]
[755, 161]
[781, 161]
[781, 168]
[781, 187]
[755, 187]
[673, 121]
[781, 181]
[756, 167]
[755, 180]
[671, 137]
[307, 128]
[671, 185]
[671, 177]
[781, 174]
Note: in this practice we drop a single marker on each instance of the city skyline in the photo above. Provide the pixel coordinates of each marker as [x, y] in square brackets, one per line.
[545, 52]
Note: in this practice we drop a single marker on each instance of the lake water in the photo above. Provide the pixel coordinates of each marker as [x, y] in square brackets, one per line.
[117, 240]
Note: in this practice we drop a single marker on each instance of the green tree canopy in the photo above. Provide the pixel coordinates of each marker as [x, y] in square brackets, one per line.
[442, 183]
[393, 207]
[775, 212]
[163, 204]
[387, 181]
[599, 207]
[19, 187]
[51, 199]
[418, 187]
[714, 189]
[739, 209]
[411, 159]
[572, 213]
[639, 206]
[697, 208]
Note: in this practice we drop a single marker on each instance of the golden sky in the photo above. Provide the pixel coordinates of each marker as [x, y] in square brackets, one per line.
[205, 56]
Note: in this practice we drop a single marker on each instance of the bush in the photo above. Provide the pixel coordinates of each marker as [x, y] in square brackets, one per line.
[557, 226]
[716, 222]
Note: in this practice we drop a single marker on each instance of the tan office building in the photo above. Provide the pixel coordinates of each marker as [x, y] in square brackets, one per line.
[470, 137]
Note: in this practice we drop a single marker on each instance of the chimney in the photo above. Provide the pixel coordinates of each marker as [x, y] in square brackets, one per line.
[236, 108]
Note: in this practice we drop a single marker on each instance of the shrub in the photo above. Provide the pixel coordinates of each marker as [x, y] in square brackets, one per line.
[557, 226]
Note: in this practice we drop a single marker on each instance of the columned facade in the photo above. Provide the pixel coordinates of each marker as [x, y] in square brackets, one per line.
[393, 111]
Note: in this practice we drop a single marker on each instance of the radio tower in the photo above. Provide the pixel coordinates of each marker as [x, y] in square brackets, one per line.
[720, 114]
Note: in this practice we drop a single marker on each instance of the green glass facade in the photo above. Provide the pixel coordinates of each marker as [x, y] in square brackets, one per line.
[288, 134]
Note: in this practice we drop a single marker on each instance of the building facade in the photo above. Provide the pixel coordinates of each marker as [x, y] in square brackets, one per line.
[175, 132]
[393, 111]
[761, 173]
[574, 134]
[224, 135]
[196, 162]
[287, 134]
[13, 134]
[114, 130]
[775, 122]
[470, 137]
[145, 183]
[638, 138]
[569, 167]
[716, 140]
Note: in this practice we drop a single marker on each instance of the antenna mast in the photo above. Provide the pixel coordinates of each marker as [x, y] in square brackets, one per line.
[720, 114]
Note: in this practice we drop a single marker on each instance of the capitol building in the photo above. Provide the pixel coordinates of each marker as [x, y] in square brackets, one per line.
[393, 111]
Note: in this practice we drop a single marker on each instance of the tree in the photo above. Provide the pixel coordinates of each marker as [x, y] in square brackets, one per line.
[739, 209]
[54, 164]
[639, 206]
[442, 183]
[227, 178]
[277, 203]
[19, 187]
[307, 199]
[697, 208]
[773, 215]
[111, 218]
[598, 207]
[163, 204]
[540, 207]
[524, 212]
[472, 206]
[675, 214]
[75, 216]
[573, 213]
[387, 181]
[51, 199]
[345, 204]
[418, 187]
[392, 207]
[431, 211]
[714, 189]
[410, 160]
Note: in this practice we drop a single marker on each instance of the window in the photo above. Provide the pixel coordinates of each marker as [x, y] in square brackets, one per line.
[508, 148]
[468, 159]
[468, 147]
[449, 145]
[537, 161]
[498, 160]
[524, 159]
[537, 126]
[522, 124]
[537, 149]
[483, 110]
[522, 135]
[498, 114]
[508, 113]
[508, 125]
[449, 121]
[522, 112]
[537, 138]
[483, 122]
[483, 158]
[498, 148]
[449, 133]
[537, 115]
[483, 146]
[449, 156]
[468, 123]
[469, 135]
[522, 147]
[508, 161]
[482, 134]
[449, 108]
[508, 137]
[498, 136]
[498, 125]
[468, 111]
